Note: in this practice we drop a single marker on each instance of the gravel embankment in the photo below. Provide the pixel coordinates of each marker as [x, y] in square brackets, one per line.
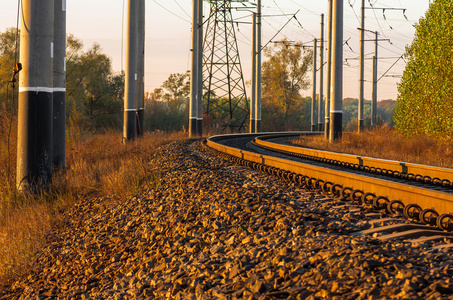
[213, 230]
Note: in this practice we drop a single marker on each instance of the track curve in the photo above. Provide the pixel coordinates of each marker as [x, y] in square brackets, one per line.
[418, 192]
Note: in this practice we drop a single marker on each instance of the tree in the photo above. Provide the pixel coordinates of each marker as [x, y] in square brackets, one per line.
[385, 110]
[284, 76]
[425, 99]
[167, 108]
[178, 89]
[7, 59]
[92, 87]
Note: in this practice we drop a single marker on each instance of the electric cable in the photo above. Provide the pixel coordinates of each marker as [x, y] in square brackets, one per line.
[177, 3]
[176, 15]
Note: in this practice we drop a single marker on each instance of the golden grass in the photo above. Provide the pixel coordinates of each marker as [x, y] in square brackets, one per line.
[386, 143]
[98, 165]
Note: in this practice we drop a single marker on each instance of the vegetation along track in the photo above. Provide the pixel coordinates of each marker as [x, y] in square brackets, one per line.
[419, 193]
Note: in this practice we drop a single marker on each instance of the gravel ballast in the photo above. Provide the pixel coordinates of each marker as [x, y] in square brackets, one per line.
[214, 230]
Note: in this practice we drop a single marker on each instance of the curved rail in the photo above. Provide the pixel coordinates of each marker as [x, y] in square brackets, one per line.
[363, 188]
[444, 175]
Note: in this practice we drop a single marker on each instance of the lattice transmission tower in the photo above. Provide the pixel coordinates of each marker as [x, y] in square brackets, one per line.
[225, 104]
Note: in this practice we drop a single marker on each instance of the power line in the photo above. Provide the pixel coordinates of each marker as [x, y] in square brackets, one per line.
[177, 3]
[279, 31]
[172, 12]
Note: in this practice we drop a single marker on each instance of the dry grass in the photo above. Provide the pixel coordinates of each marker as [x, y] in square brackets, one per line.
[98, 165]
[104, 167]
[385, 143]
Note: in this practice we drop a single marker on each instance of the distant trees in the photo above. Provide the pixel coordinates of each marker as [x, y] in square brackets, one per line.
[166, 108]
[385, 110]
[425, 100]
[178, 89]
[284, 76]
[95, 93]
[91, 86]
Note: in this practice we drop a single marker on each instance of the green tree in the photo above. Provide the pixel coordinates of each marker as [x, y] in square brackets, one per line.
[7, 59]
[284, 76]
[385, 110]
[425, 100]
[92, 88]
[178, 89]
[166, 108]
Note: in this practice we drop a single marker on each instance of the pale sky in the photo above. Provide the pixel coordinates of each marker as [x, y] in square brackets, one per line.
[168, 30]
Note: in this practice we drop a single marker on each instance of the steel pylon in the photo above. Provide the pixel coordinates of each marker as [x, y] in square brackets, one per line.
[225, 100]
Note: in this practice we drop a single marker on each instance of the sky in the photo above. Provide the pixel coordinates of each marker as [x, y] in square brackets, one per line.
[168, 34]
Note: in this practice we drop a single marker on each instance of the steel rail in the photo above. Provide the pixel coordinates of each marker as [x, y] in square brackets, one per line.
[361, 185]
[402, 167]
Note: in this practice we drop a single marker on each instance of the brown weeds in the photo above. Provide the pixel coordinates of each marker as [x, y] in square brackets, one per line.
[97, 165]
[386, 143]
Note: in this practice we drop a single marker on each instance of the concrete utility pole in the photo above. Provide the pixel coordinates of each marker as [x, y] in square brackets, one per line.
[258, 67]
[329, 73]
[253, 81]
[193, 110]
[313, 97]
[374, 100]
[200, 69]
[59, 84]
[336, 89]
[321, 115]
[362, 69]
[130, 91]
[34, 141]
[141, 68]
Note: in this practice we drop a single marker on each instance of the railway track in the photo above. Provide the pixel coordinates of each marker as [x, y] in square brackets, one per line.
[417, 198]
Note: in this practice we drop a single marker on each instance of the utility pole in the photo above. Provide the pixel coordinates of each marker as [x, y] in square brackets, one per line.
[329, 73]
[200, 69]
[130, 90]
[375, 79]
[374, 100]
[59, 84]
[258, 67]
[321, 115]
[193, 109]
[34, 140]
[313, 99]
[336, 89]
[141, 68]
[362, 68]
[253, 82]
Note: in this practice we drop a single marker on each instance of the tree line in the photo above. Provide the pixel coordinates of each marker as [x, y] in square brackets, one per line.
[94, 92]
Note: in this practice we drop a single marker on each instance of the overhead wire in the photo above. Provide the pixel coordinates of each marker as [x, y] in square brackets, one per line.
[177, 3]
[357, 17]
[310, 11]
[176, 15]
[379, 24]
[293, 28]
[278, 7]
